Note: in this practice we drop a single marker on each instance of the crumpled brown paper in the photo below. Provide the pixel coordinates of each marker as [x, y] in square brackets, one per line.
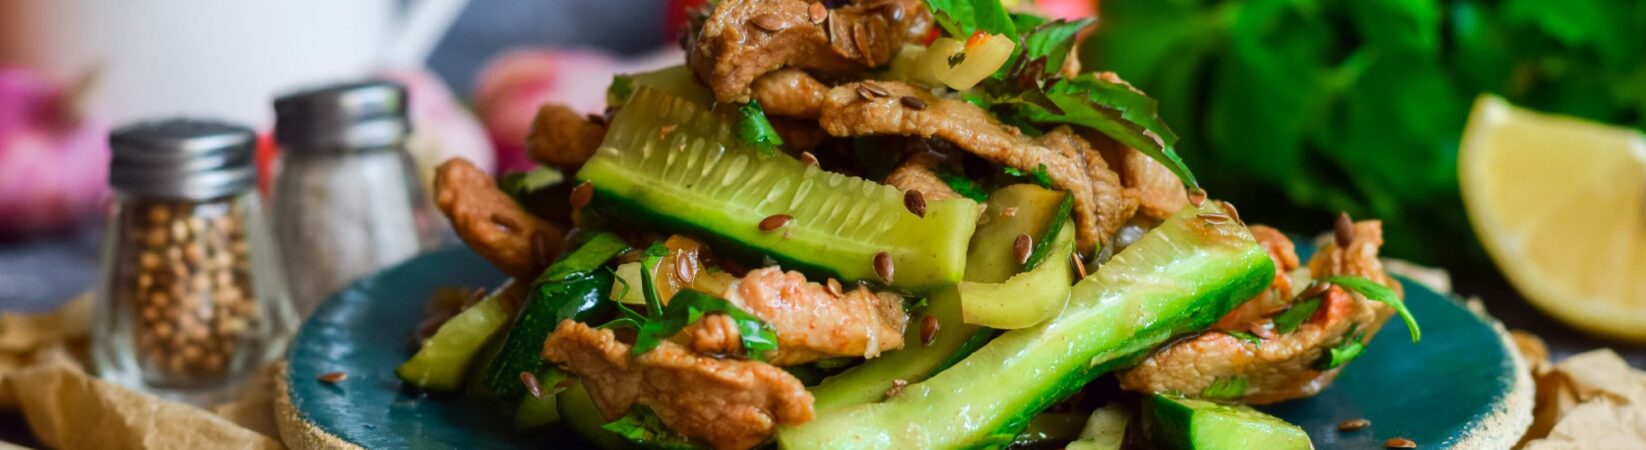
[1589, 401]
[42, 375]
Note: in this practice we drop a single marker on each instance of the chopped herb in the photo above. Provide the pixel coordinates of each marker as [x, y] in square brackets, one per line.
[1382, 294]
[1288, 321]
[1346, 350]
[648, 264]
[963, 186]
[687, 307]
[1052, 41]
[642, 427]
[1043, 246]
[754, 129]
[590, 255]
[1038, 174]
[1115, 109]
[956, 59]
[918, 305]
[1226, 388]
[961, 18]
[621, 89]
[1244, 336]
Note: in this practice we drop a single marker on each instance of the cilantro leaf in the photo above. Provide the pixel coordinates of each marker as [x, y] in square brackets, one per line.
[1244, 336]
[1039, 175]
[963, 186]
[1346, 350]
[1053, 41]
[688, 306]
[648, 263]
[1289, 320]
[1226, 388]
[1113, 108]
[620, 90]
[642, 427]
[1382, 294]
[961, 18]
[754, 129]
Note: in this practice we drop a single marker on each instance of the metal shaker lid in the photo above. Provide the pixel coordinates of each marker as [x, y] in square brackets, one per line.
[187, 159]
[342, 117]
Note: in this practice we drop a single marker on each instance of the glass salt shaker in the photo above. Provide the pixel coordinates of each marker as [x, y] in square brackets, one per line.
[347, 201]
[192, 299]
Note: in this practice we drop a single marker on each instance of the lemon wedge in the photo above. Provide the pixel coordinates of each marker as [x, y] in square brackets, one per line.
[1560, 204]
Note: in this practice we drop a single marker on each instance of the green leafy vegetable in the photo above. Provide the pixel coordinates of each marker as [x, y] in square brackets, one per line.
[1289, 320]
[620, 90]
[1346, 350]
[1226, 388]
[963, 186]
[687, 307]
[1382, 294]
[1052, 41]
[1039, 175]
[1244, 336]
[642, 427]
[961, 18]
[1115, 109]
[754, 129]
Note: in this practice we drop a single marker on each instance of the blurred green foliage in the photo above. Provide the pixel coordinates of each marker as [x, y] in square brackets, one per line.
[1295, 109]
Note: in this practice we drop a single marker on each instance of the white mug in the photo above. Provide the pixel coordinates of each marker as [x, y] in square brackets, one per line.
[216, 58]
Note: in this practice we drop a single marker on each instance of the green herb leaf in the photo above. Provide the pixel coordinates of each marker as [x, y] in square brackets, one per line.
[1226, 388]
[642, 427]
[648, 264]
[1114, 109]
[963, 186]
[960, 18]
[1244, 336]
[620, 90]
[1382, 294]
[1052, 41]
[592, 254]
[1289, 320]
[1346, 350]
[754, 129]
[1038, 175]
[687, 307]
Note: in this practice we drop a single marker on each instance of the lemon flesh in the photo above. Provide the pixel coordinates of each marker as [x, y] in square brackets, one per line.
[1560, 204]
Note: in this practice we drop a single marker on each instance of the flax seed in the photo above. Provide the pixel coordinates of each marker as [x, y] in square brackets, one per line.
[1197, 197]
[1343, 230]
[1353, 425]
[1233, 213]
[876, 89]
[1213, 217]
[928, 330]
[915, 202]
[333, 377]
[685, 267]
[1079, 266]
[775, 221]
[833, 286]
[808, 158]
[532, 387]
[1021, 247]
[883, 266]
[582, 194]
[769, 22]
[913, 102]
[1399, 443]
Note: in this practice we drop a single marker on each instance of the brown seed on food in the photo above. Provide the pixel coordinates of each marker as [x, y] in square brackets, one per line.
[876, 89]
[1233, 213]
[1314, 289]
[774, 222]
[1079, 266]
[1197, 197]
[817, 12]
[808, 158]
[897, 387]
[912, 102]
[685, 267]
[1353, 424]
[883, 266]
[1021, 247]
[833, 286]
[532, 387]
[769, 22]
[1343, 230]
[1399, 443]
[1213, 217]
[928, 330]
[582, 194]
[333, 377]
[915, 202]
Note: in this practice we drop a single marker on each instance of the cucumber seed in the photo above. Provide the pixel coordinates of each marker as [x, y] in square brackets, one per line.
[1343, 230]
[775, 221]
[1021, 247]
[915, 202]
[883, 266]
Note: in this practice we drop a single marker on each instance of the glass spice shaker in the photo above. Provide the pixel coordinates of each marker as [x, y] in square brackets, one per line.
[192, 298]
[347, 201]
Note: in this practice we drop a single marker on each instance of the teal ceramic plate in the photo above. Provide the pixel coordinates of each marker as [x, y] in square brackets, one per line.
[1452, 390]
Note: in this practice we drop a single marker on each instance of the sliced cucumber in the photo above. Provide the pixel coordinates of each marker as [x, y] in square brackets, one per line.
[675, 80]
[1177, 423]
[444, 359]
[1048, 429]
[1179, 278]
[579, 413]
[672, 165]
[1013, 210]
[1027, 298]
[572, 288]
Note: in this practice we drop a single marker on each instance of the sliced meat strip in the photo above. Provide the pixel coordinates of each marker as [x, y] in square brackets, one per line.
[790, 92]
[745, 39]
[1283, 367]
[915, 174]
[813, 323]
[729, 404]
[1277, 296]
[491, 223]
[563, 138]
[798, 135]
[1158, 191]
[852, 110]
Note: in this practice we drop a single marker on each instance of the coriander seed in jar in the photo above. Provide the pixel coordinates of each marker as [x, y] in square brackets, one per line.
[192, 299]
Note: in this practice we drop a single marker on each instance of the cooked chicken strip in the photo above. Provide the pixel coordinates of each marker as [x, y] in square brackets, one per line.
[563, 138]
[729, 404]
[1283, 367]
[790, 92]
[745, 39]
[847, 112]
[812, 323]
[915, 174]
[1158, 191]
[492, 223]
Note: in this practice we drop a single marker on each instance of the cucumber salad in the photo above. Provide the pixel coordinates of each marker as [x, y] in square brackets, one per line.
[891, 224]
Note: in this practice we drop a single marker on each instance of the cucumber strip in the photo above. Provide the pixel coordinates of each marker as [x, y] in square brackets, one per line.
[446, 357]
[578, 410]
[593, 253]
[672, 165]
[1048, 429]
[1018, 209]
[572, 288]
[1177, 279]
[868, 382]
[1174, 423]
[1026, 299]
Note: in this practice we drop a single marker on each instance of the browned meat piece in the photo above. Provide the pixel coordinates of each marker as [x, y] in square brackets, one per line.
[744, 39]
[492, 223]
[915, 174]
[798, 135]
[715, 334]
[813, 323]
[729, 404]
[1158, 191]
[1282, 367]
[563, 138]
[1248, 316]
[1099, 207]
[789, 92]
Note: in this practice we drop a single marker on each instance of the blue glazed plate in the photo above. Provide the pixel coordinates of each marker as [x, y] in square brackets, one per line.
[1455, 389]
